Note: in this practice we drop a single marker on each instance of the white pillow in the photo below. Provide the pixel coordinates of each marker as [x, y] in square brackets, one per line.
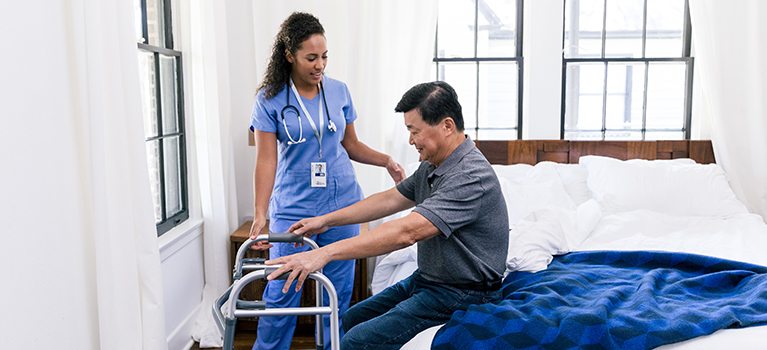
[547, 232]
[671, 187]
[574, 178]
[540, 186]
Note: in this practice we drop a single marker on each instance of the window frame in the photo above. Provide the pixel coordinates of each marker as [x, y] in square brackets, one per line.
[685, 57]
[166, 223]
[519, 59]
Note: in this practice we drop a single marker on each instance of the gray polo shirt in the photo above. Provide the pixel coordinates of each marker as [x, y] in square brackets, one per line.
[463, 199]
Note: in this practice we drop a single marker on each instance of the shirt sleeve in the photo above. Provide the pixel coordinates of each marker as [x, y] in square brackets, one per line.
[350, 114]
[455, 204]
[406, 187]
[260, 118]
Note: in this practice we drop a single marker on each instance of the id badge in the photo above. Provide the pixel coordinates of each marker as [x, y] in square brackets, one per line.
[319, 174]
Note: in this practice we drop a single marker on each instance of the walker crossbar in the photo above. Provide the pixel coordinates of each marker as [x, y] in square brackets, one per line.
[271, 237]
[226, 323]
[229, 316]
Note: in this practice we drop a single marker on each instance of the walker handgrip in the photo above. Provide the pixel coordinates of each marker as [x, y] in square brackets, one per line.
[285, 237]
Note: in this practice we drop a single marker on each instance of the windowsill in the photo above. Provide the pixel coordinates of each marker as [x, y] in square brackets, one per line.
[179, 236]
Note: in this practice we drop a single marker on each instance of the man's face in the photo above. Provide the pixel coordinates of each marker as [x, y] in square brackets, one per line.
[426, 138]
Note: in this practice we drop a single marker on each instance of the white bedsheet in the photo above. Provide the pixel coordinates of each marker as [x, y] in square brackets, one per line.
[742, 237]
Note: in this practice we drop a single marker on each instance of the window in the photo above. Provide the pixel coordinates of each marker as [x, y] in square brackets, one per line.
[479, 52]
[627, 70]
[163, 113]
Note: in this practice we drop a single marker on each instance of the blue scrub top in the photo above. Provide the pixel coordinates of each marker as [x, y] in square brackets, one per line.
[293, 198]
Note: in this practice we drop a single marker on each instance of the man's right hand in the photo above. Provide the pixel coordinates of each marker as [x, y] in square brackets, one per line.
[255, 230]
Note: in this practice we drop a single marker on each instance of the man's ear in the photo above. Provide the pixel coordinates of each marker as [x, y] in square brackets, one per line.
[449, 125]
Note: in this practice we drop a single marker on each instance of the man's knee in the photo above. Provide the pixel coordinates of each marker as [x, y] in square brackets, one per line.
[352, 339]
[349, 320]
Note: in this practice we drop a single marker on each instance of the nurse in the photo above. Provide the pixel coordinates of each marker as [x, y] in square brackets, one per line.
[304, 127]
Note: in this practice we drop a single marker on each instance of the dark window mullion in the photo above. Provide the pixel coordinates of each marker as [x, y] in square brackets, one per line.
[144, 24]
[168, 24]
[644, 34]
[181, 127]
[604, 31]
[476, 103]
[604, 101]
[644, 98]
[160, 135]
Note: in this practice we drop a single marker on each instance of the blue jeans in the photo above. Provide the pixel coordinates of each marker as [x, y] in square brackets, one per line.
[391, 318]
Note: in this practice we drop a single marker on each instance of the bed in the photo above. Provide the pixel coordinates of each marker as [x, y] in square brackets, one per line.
[614, 244]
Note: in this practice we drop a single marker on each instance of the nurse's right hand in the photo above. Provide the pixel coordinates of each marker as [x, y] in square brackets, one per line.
[255, 230]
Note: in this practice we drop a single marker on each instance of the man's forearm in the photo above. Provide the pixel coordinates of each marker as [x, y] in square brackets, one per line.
[377, 206]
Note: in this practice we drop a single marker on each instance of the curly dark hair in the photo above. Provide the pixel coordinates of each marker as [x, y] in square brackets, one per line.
[298, 27]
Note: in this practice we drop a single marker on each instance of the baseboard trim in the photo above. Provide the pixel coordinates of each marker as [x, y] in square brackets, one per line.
[181, 337]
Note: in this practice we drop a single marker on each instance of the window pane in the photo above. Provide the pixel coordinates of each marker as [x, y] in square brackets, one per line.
[155, 22]
[172, 176]
[633, 135]
[664, 135]
[583, 28]
[584, 135]
[625, 95]
[463, 78]
[455, 28]
[148, 92]
[138, 15]
[583, 104]
[153, 160]
[169, 102]
[498, 87]
[666, 95]
[623, 36]
[665, 23]
[497, 28]
[485, 134]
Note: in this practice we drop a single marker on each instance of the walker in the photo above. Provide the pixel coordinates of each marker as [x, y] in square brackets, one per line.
[226, 309]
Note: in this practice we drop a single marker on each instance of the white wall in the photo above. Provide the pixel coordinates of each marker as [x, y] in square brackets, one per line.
[542, 80]
[48, 295]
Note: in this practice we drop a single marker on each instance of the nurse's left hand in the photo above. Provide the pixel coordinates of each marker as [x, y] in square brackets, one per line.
[299, 265]
[395, 171]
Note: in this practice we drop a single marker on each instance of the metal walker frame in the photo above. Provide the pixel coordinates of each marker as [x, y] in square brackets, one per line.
[226, 309]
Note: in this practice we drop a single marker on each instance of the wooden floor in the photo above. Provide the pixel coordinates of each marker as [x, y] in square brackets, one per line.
[244, 341]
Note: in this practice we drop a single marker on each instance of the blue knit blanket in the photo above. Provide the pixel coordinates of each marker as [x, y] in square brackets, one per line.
[613, 300]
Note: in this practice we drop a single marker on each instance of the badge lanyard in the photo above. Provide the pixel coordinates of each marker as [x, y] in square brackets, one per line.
[317, 133]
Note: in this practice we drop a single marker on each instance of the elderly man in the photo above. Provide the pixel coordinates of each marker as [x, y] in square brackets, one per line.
[459, 222]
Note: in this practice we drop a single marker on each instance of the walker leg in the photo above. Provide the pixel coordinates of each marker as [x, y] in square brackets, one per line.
[229, 334]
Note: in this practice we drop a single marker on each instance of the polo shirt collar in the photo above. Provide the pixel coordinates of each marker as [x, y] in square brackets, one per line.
[463, 149]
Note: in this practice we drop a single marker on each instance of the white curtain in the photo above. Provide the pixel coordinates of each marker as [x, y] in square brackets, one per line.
[729, 39]
[114, 167]
[215, 164]
[380, 49]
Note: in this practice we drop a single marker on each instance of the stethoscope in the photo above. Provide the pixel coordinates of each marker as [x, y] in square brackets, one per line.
[288, 106]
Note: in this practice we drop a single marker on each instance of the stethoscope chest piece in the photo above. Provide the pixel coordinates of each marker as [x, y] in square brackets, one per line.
[288, 107]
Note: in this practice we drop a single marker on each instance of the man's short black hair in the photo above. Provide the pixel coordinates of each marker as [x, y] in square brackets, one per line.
[434, 101]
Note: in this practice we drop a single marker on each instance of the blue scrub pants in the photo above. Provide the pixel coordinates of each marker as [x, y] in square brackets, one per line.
[276, 332]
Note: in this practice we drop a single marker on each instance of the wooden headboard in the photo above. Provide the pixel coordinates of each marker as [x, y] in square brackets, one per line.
[563, 151]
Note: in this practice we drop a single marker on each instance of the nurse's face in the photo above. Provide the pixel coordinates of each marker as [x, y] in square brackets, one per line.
[427, 139]
[309, 61]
